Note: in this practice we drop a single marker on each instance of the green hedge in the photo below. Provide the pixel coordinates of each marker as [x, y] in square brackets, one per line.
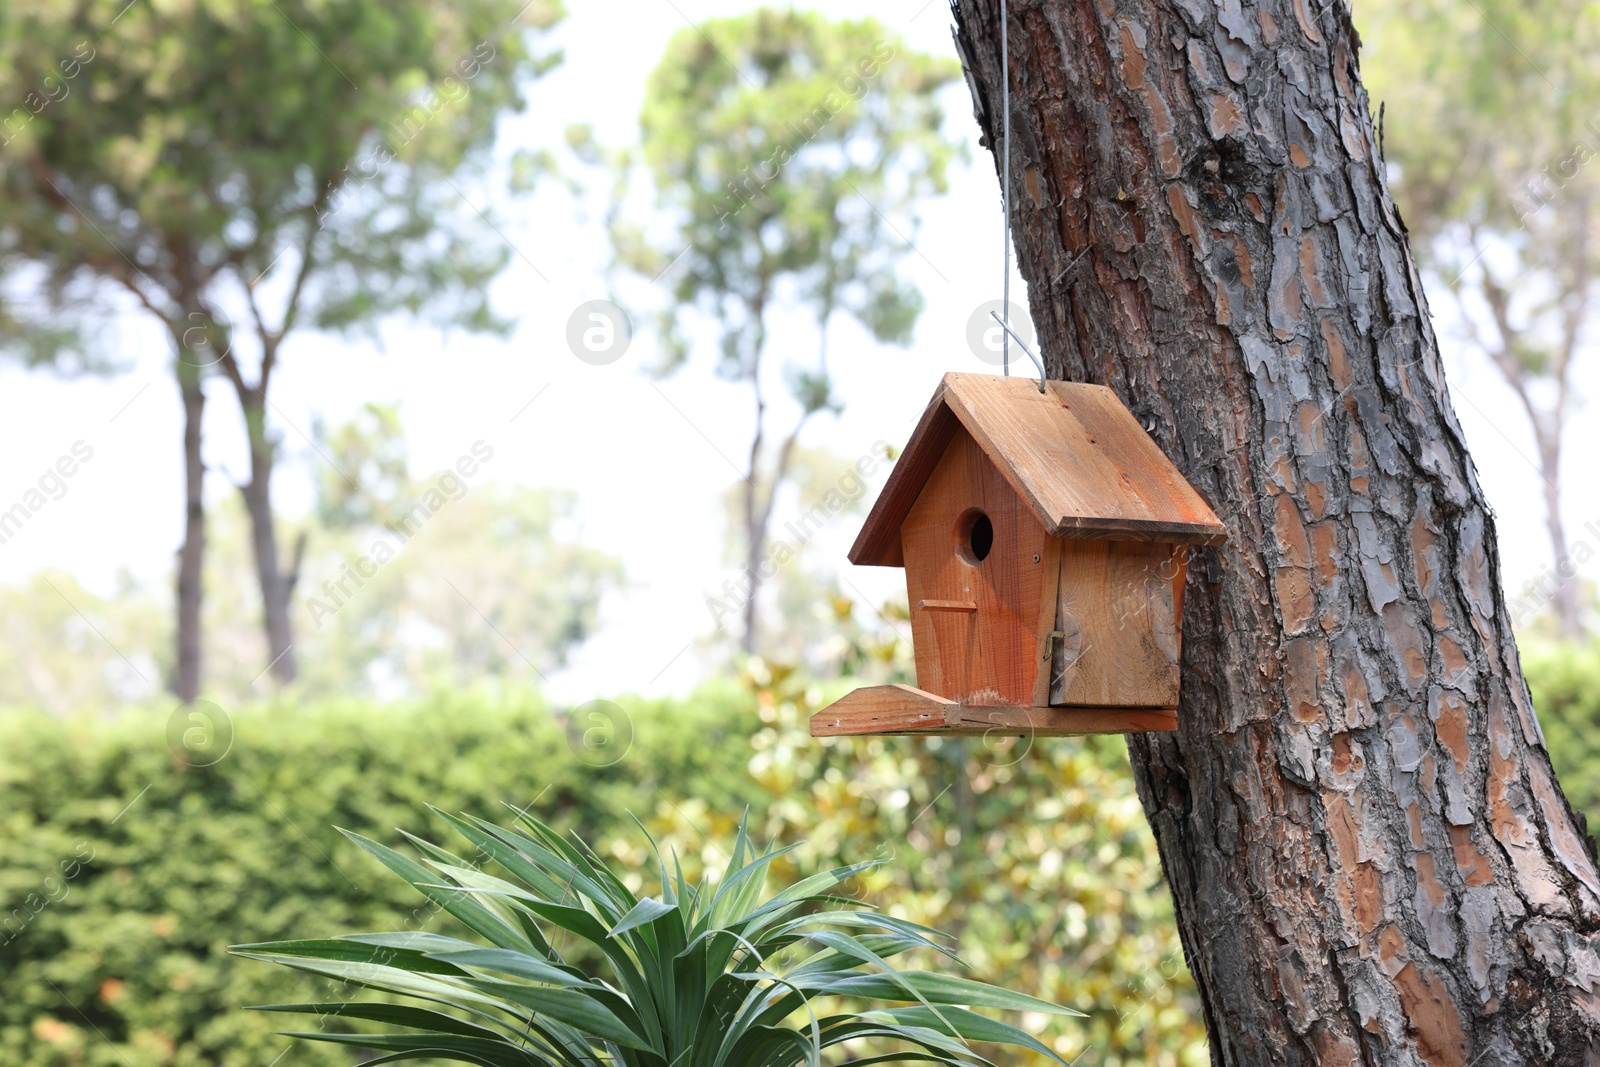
[123, 962]
[1040, 860]
[1565, 681]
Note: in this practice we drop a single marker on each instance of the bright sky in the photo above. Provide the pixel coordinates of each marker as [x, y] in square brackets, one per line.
[649, 459]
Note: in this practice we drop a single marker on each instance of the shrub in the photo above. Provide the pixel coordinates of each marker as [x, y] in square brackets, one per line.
[706, 974]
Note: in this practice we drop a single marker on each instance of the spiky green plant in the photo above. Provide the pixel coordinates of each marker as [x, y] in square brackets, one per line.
[706, 975]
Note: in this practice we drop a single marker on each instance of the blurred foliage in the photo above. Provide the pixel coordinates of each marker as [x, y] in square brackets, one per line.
[809, 620]
[60, 642]
[1037, 857]
[496, 583]
[1564, 677]
[179, 150]
[1495, 106]
[788, 153]
[241, 169]
[781, 143]
[1491, 132]
[366, 470]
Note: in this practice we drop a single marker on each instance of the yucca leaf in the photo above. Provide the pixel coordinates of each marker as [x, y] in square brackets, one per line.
[569, 1006]
[885, 945]
[476, 917]
[435, 853]
[647, 910]
[494, 1053]
[837, 1029]
[387, 979]
[419, 940]
[351, 951]
[809, 925]
[458, 1057]
[502, 845]
[518, 964]
[771, 1045]
[967, 1025]
[394, 1014]
[926, 985]
[596, 884]
[913, 1057]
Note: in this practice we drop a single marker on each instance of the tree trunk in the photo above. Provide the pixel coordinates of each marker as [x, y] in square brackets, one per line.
[277, 584]
[192, 553]
[1564, 601]
[1369, 855]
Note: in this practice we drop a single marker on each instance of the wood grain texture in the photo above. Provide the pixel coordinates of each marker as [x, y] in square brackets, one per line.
[1370, 858]
[1045, 628]
[1115, 613]
[947, 605]
[1081, 461]
[1074, 454]
[907, 711]
[986, 656]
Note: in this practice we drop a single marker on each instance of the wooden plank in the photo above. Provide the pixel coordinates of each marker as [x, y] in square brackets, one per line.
[1045, 627]
[1081, 460]
[989, 655]
[881, 709]
[902, 710]
[1116, 611]
[947, 605]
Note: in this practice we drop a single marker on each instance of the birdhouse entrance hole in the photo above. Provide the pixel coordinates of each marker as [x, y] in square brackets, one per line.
[974, 537]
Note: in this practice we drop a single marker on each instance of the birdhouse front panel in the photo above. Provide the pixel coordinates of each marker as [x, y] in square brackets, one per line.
[978, 568]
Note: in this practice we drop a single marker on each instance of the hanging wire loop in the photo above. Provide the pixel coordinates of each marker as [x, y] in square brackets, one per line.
[1006, 326]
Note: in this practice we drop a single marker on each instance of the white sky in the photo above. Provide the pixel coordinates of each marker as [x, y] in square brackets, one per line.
[650, 460]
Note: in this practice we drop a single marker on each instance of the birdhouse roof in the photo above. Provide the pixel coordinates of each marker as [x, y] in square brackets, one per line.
[1074, 453]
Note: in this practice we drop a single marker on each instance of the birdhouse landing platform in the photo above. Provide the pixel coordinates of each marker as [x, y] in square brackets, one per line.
[1045, 540]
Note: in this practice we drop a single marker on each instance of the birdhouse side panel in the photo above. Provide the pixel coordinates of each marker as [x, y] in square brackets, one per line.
[978, 564]
[1118, 626]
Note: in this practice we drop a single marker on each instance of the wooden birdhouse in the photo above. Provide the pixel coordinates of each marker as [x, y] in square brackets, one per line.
[1044, 537]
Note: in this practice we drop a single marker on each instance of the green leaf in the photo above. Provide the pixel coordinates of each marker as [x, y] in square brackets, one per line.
[934, 988]
[967, 1025]
[569, 1006]
[519, 964]
[647, 910]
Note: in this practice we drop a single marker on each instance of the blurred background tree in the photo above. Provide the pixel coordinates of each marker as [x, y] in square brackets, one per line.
[789, 154]
[241, 170]
[494, 587]
[1493, 128]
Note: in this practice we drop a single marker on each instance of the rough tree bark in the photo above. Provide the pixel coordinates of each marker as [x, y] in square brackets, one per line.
[1371, 860]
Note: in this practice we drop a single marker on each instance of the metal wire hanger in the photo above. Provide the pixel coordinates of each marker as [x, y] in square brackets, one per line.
[1005, 198]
